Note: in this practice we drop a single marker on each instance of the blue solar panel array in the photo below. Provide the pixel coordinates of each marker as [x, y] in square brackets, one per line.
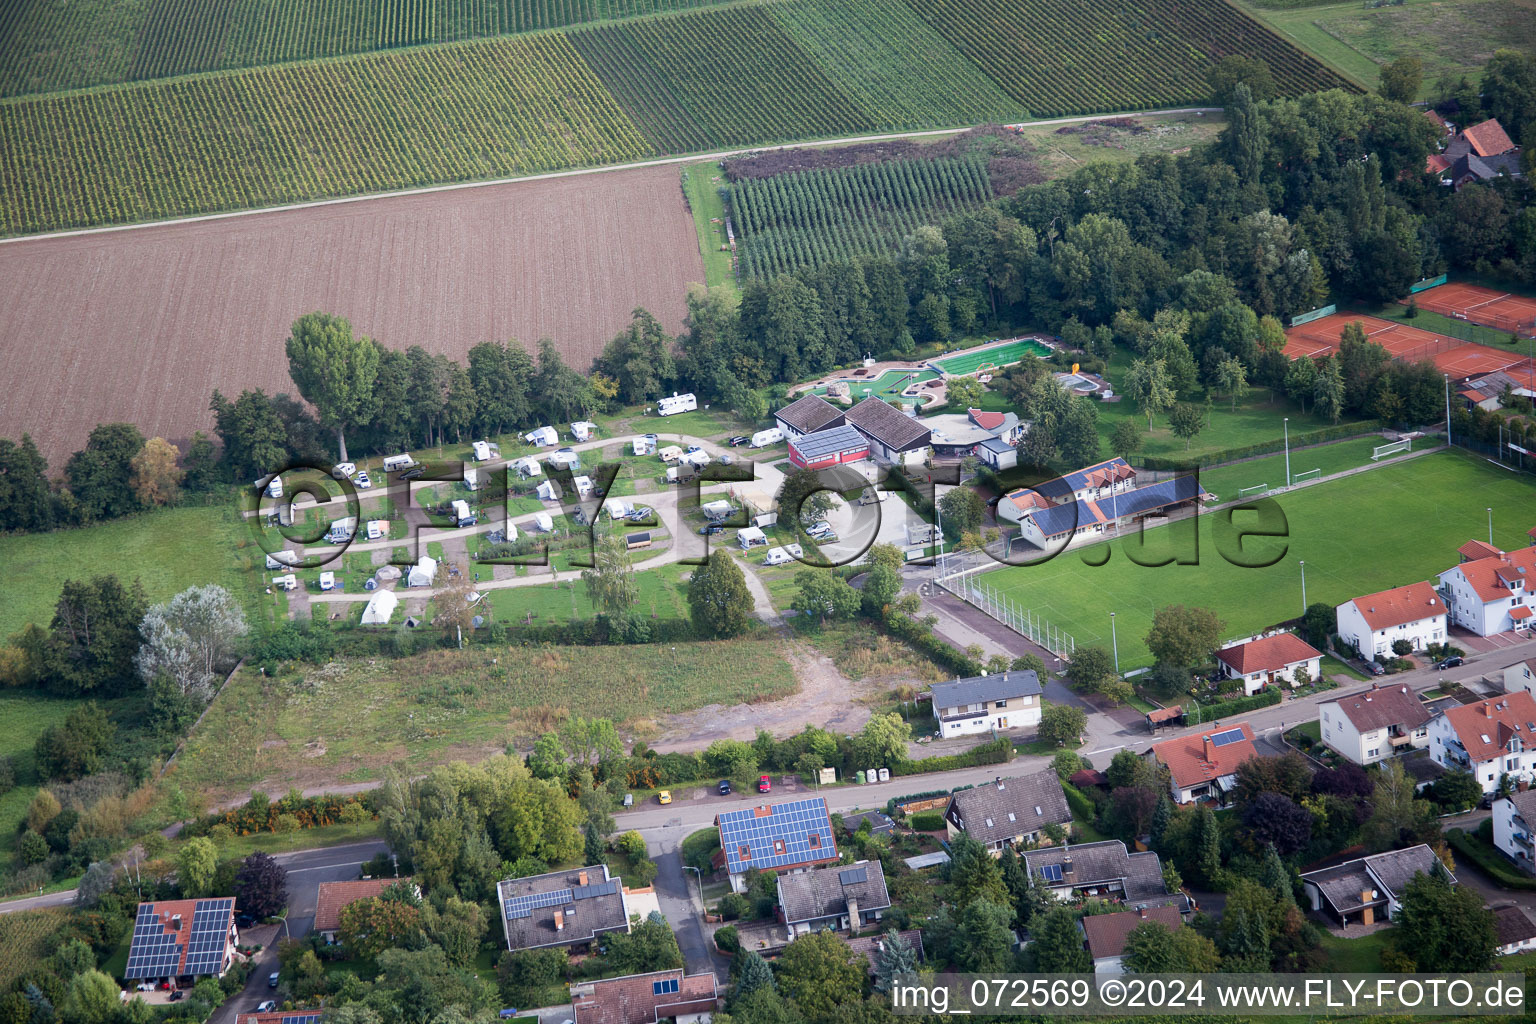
[664, 987]
[1051, 872]
[524, 906]
[156, 952]
[1221, 739]
[300, 1018]
[793, 824]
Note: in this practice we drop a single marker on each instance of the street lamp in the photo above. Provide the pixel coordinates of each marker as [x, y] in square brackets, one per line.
[1114, 640]
[1286, 424]
[1490, 526]
[1447, 407]
[1303, 563]
[699, 877]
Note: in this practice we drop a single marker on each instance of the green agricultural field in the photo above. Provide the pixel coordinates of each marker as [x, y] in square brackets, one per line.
[349, 721]
[24, 938]
[47, 45]
[1451, 37]
[166, 551]
[808, 218]
[1434, 504]
[1225, 481]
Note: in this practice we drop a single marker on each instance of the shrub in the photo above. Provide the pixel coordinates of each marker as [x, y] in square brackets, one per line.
[734, 905]
[727, 940]
[927, 821]
[1082, 807]
[997, 751]
[1489, 860]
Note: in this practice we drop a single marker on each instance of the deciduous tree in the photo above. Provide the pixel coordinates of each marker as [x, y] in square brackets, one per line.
[1062, 724]
[820, 974]
[196, 863]
[261, 886]
[334, 371]
[1184, 636]
[155, 477]
[718, 598]
[190, 638]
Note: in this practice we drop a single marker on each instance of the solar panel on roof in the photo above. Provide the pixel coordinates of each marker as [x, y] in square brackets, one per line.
[596, 889]
[300, 1018]
[524, 906]
[1051, 872]
[1221, 739]
[852, 876]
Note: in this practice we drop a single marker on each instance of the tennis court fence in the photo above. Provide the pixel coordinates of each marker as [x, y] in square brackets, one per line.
[994, 603]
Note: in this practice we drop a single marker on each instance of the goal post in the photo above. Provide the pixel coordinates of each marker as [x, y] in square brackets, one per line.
[1243, 492]
[1310, 474]
[1382, 451]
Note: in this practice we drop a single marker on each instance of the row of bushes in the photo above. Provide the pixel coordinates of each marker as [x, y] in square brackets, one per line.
[1265, 698]
[921, 639]
[927, 821]
[290, 814]
[1337, 432]
[927, 794]
[1489, 860]
[998, 751]
[1082, 807]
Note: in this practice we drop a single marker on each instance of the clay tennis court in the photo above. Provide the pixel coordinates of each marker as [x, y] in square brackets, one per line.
[1320, 338]
[1486, 306]
[140, 326]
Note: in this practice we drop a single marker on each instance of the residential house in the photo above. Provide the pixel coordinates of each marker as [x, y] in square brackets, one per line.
[333, 896]
[1514, 930]
[1003, 700]
[179, 941]
[1042, 522]
[281, 1017]
[1105, 870]
[1473, 550]
[870, 946]
[1369, 889]
[1374, 724]
[833, 446]
[839, 897]
[957, 435]
[1480, 153]
[893, 435]
[1493, 594]
[998, 454]
[645, 998]
[1521, 676]
[1270, 659]
[1372, 623]
[1105, 934]
[1009, 812]
[1487, 391]
[787, 838]
[562, 908]
[1490, 738]
[806, 416]
[1469, 169]
[1514, 828]
[1204, 766]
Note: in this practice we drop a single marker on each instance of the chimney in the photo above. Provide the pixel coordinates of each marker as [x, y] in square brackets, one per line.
[762, 811]
[176, 922]
[559, 920]
[1141, 912]
[998, 782]
[1487, 712]
[581, 877]
[1208, 749]
[1066, 866]
[1366, 895]
[853, 913]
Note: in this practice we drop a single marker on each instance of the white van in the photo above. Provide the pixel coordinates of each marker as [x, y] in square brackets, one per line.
[764, 438]
[670, 454]
[395, 463]
[328, 581]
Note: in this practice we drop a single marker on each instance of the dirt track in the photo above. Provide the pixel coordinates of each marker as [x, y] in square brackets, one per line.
[142, 325]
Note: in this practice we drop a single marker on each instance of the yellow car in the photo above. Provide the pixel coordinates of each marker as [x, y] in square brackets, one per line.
[664, 797]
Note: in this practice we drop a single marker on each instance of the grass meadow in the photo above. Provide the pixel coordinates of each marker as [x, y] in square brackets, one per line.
[350, 720]
[1432, 504]
[1225, 481]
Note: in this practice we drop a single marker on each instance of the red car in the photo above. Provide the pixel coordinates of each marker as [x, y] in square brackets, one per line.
[764, 784]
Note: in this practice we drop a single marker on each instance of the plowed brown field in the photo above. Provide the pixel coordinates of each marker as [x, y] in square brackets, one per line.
[142, 325]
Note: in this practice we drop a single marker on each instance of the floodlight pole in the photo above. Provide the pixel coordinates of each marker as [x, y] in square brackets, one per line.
[1114, 641]
[1286, 424]
[1490, 526]
[1303, 563]
[1447, 408]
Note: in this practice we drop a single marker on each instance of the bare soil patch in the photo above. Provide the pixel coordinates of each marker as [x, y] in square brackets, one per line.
[142, 325]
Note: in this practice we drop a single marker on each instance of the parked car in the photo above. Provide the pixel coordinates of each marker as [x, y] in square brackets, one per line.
[726, 460]
[413, 473]
[664, 797]
[272, 980]
[1452, 662]
[725, 787]
[362, 480]
[764, 784]
[1374, 668]
[739, 440]
[178, 994]
[146, 986]
[266, 1006]
[629, 799]
[711, 529]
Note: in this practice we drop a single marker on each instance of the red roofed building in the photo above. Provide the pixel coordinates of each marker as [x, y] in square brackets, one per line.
[1270, 659]
[1472, 550]
[1488, 138]
[1491, 594]
[645, 998]
[1374, 724]
[333, 896]
[182, 940]
[1203, 766]
[1105, 934]
[1373, 623]
[1490, 739]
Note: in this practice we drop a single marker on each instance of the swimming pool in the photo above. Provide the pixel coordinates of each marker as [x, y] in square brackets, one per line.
[1005, 354]
[890, 384]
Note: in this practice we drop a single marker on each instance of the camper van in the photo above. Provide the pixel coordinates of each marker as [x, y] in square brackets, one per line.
[582, 430]
[686, 471]
[528, 467]
[395, 463]
[288, 582]
[645, 445]
[764, 438]
[544, 521]
[482, 450]
[583, 485]
[617, 508]
[342, 470]
[328, 581]
[670, 454]
[274, 487]
[280, 559]
[341, 530]
[717, 509]
[566, 457]
[463, 515]
[547, 491]
[378, 529]
[765, 520]
[698, 457]
[676, 404]
[783, 555]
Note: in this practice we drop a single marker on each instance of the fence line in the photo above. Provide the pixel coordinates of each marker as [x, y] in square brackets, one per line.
[965, 585]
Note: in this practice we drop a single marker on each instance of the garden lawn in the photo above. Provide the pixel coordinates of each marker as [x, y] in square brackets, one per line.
[663, 595]
[167, 551]
[350, 720]
[1394, 525]
[1356, 956]
[25, 716]
[1225, 481]
[701, 185]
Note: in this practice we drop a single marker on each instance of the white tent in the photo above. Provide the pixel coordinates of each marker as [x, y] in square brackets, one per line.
[544, 436]
[750, 537]
[380, 607]
[545, 522]
[423, 572]
[583, 429]
[510, 532]
[387, 573]
[548, 491]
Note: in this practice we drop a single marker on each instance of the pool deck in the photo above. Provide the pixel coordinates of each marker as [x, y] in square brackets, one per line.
[872, 373]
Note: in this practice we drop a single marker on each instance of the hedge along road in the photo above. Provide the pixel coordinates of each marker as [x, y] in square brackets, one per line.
[663, 161]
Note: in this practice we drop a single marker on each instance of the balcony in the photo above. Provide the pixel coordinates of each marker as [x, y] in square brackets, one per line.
[1400, 740]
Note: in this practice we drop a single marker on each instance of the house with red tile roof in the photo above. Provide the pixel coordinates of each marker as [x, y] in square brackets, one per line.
[1488, 138]
[1374, 724]
[1490, 739]
[1105, 934]
[182, 940]
[1204, 766]
[1372, 623]
[1491, 594]
[1270, 659]
[645, 998]
[1472, 550]
[333, 896]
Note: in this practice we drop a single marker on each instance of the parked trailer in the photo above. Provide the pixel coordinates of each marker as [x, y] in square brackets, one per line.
[764, 438]
[395, 463]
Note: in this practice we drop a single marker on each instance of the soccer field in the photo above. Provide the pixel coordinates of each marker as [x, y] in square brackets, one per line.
[1226, 481]
[1368, 532]
[962, 363]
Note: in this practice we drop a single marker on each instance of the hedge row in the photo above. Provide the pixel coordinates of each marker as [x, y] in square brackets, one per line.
[1265, 698]
[999, 751]
[1489, 860]
[1321, 435]
[921, 638]
[927, 821]
[1082, 807]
